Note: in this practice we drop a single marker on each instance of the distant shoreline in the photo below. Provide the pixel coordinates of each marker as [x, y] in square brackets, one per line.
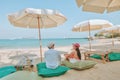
[43, 38]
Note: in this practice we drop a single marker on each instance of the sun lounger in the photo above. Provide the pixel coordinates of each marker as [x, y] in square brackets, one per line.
[113, 55]
[4, 71]
[103, 55]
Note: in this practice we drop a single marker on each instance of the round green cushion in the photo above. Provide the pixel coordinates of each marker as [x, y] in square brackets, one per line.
[46, 72]
[80, 65]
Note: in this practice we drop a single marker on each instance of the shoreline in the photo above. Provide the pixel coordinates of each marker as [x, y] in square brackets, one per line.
[100, 45]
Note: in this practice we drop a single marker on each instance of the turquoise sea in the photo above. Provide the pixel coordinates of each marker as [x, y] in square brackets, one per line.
[34, 43]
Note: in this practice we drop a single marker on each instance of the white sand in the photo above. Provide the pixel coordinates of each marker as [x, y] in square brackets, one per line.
[108, 71]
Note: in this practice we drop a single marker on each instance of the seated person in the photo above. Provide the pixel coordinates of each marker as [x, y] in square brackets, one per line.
[52, 57]
[75, 54]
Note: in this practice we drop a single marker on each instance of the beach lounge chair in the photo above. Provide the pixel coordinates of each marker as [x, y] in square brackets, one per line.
[23, 75]
[45, 72]
[4, 71]
[103, 55]
[112, 55]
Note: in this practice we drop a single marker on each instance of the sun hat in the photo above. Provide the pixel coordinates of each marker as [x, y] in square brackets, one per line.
[76, 45]
[50, 44]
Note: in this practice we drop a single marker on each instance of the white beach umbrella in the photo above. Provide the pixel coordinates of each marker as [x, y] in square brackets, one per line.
[37, 18]
[89, 25]
[112, 30]
[99, 6]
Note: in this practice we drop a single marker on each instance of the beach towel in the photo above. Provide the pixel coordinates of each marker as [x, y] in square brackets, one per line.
[4, 71]
[23, 75]
[46, 72]
[79, 65]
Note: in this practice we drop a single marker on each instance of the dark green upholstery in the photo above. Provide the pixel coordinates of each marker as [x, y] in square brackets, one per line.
[96, 56]
[113, 56]
[46, 72]
[4, 71]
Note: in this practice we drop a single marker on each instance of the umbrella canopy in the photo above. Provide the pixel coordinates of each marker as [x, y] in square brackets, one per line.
[29, 18]
[99, 6]
[89, 25]
[112, 30]
[37, 18]
[94, 24]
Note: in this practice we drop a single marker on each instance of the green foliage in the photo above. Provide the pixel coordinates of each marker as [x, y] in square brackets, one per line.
[98, 34]
[108, 35]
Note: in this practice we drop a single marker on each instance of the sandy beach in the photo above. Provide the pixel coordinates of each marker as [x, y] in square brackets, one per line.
[108, 71]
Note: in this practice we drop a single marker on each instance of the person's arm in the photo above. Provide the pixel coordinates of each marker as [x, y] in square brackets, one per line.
[71, 55]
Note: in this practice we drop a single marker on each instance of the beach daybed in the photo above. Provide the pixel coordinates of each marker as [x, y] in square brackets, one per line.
[103, 55]
[23, 75]
[80, 65]
[4, 71]
[113, 55]
[46, 72]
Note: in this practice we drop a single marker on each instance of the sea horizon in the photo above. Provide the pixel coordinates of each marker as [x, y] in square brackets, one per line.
[34, 43]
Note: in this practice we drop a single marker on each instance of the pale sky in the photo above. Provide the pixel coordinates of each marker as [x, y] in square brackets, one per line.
[68, 8]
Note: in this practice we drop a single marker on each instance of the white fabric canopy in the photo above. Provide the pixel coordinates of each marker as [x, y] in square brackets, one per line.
[29, 18]
[99, 6]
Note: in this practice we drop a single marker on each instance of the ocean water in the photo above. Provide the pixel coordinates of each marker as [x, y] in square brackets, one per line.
[34, 43]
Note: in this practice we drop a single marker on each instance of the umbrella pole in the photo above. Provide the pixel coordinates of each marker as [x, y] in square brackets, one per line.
[40, 38]
[112, 39]
[89, 36]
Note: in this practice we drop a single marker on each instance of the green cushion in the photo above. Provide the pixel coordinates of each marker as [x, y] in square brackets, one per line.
[96, 56]
[80, 65]
[46, 72]
[4, 71]
[113, 56]
[22, 75]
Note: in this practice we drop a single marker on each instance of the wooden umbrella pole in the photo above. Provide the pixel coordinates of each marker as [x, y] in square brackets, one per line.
[112, 39]
[40, 38]
[89, 36]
